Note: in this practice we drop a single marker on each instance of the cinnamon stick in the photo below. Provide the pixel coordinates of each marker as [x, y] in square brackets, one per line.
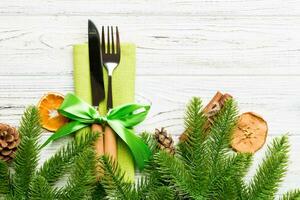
[110, 143]
[99, 144]
[99, 148]
[215, 105]
[211, 110]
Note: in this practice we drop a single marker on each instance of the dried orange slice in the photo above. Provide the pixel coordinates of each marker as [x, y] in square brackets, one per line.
[48, 108]
[250, 133]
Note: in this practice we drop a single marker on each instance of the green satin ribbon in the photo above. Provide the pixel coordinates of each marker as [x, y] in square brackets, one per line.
[121, 119]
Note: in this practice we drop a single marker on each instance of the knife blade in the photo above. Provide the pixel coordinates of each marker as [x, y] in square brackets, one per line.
[97, 83]
[96, 69]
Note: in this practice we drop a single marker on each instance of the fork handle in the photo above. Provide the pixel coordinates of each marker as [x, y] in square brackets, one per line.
[109, 95]
[110, 139]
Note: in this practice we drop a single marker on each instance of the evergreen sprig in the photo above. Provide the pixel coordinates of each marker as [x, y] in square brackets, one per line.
[4, 178]
[194, 125]
[291, 195]
[114, 181]
[117, 187]
[26, 160]
[58, 164]
[28, 182]
[82, 178]
[271, 172]
[41, 189]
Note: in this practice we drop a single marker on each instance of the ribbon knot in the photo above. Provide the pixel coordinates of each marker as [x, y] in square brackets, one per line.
[121, 119]
[100, 120]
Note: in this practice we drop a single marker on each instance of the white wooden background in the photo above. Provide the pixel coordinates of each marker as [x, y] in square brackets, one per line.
[185, 48]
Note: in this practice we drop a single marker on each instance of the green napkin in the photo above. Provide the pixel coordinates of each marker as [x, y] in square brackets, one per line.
[123, 83]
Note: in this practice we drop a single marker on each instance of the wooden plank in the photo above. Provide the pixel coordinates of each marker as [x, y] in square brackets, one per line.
[165, 45]
[151, 8]
[276, 98]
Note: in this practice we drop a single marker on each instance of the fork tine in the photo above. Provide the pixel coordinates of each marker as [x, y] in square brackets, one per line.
[108, 40]
[118, 50]
[112, 41]
[103, 40]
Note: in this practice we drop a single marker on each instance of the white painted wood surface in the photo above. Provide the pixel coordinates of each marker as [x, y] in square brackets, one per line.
[249, 48]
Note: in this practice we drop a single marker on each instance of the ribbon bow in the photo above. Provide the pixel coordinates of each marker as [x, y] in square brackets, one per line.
[121, 119]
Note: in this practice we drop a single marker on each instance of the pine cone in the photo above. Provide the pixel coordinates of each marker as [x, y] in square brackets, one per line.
[9, 140]
[165, 141]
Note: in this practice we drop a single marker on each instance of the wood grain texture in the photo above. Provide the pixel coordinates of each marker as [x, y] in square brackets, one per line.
[248, 48]
[150, 8]
[165, 45]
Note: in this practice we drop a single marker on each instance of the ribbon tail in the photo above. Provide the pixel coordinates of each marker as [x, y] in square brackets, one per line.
[138, 148]
[65, 130]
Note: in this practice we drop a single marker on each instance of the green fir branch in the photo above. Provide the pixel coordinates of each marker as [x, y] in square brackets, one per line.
[216, 146]
[149, 139]
[99, 191]
[114, 182]
[291, 195]
[160, 192]
[4, 178]
[26, 159]
[81, 182]
[58, 164]
[151, 187]
[148, 186]
[174, 171]
[218, 143]
[192, 151]
[151, 178]
[228, 182]
[41, 190]
[195, 134]
[271, 172]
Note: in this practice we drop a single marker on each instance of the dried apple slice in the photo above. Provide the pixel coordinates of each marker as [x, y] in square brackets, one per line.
[250, 133]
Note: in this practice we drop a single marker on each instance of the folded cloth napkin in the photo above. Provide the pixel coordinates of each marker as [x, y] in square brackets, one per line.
[123, 82]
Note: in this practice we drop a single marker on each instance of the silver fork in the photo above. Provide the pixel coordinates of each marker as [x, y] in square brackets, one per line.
[111, 55]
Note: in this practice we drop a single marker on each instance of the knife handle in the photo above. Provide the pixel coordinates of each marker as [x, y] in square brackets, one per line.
[110, 143]
[99, 144]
